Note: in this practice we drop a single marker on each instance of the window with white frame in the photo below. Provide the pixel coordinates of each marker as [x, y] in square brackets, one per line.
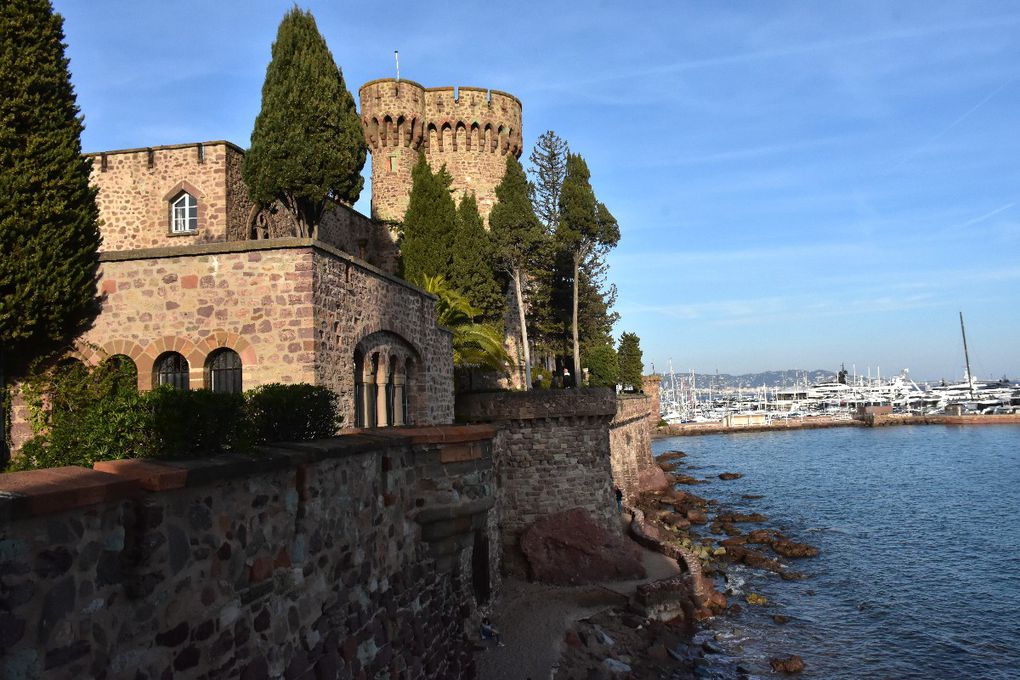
[184, 214]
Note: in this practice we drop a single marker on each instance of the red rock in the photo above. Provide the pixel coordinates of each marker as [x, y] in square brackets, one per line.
[697, 516]
[788, 548]
[572, 639]
[740, 517]
[760, 536]
[790, 664]
[569, 548]
[726, 476]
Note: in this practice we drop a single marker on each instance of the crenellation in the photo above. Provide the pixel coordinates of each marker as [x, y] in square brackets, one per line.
[469, 130]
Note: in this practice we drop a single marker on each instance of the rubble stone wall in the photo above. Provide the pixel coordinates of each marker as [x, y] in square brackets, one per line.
[306, 562]
[630, 441]
[552, 454]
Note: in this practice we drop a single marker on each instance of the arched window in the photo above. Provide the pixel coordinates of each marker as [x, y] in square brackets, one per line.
[184, 214]
[223, 371]
[171, 369]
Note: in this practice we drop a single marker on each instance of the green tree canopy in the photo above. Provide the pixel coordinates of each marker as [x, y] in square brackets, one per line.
[631, 363]
[518, 238]
[474, 344]
[49, 234]
[585, 227]
[471, 269]
[603, 365]
[429, 224]
[307, 147]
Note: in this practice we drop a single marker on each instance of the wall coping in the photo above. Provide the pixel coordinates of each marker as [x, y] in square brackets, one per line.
[43, 492]
[166, 147]
[231, 247]
[536, 405]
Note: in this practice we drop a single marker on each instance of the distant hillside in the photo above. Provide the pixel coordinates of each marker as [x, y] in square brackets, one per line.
[785, 378]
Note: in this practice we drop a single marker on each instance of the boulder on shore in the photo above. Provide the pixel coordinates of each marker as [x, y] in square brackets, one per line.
[789, 664]
[569, 548]
[726, 476]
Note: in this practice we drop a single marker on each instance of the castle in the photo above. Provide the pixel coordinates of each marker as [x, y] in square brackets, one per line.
[469, 130]
[360, 556]
[203, 288]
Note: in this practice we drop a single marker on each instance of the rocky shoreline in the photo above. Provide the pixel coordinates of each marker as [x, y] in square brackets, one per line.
[654, 636]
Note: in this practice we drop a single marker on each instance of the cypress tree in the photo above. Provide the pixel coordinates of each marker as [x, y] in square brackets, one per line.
[49, 233]
[307, 146]
[631, 364]
[585, 226]
[603, 365]
[518, 238]
[471, 270]
[429, 223]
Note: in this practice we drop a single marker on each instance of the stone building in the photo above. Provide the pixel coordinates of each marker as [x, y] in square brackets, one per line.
[203, 289]
[470, 130]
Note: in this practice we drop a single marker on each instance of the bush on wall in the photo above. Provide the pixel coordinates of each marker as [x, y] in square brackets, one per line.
[82, 415]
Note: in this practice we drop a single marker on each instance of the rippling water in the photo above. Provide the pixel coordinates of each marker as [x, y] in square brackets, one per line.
[919, 528]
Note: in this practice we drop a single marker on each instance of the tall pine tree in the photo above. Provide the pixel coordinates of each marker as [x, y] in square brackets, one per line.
[307, 147]
[471, 269]
[548, 168]
[426, 248]
[49, 234]
[518, 237]
[585, 226]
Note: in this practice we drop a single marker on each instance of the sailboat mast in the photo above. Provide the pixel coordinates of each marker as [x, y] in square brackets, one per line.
[966, 357]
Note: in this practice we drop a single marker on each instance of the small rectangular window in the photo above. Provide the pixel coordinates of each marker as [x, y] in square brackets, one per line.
[393, 163]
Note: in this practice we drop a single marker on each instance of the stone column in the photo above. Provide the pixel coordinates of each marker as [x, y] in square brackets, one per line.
[380, 396]
[399, 380]
[367, 392]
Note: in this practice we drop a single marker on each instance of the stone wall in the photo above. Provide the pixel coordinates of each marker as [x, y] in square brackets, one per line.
[552, 454]
[470, 130]
[293, 310]
[363, 556]
[630, 441]
[137, 185]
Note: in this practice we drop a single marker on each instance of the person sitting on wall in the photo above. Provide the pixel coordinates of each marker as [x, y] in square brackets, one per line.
[489, 633]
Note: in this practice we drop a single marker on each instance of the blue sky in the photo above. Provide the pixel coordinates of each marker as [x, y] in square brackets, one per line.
[798, 184]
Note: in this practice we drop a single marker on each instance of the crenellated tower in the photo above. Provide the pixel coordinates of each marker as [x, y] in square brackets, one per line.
[470, 130]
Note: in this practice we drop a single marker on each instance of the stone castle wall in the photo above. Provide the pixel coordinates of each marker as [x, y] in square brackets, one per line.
[552, 454]
[293, 310]
[137, 185]
[630, 441]
[469, 130]
[315, 561]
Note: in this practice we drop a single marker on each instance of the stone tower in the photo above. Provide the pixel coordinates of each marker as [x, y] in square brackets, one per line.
[470, 130]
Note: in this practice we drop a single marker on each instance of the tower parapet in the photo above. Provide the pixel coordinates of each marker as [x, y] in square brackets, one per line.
[469, 130]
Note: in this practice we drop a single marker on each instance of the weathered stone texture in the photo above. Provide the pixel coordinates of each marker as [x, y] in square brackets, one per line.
[352, 304]
[137, 185]
[552, 454]
[306, 563]
[630, 440]
[469, 130]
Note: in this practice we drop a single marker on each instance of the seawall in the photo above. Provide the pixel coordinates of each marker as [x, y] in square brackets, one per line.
[360, 556]
[695, 429]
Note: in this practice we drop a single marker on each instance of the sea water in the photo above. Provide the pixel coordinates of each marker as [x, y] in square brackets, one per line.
[919, 532]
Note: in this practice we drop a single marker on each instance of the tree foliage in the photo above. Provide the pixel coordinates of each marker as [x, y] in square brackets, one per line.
[307, 147]
[49, 234]
[585, 227]
[631, 363]
[548, 168]
[474, 344]
[427, 245]
[603, 365]
[518, 239]
[472, 270]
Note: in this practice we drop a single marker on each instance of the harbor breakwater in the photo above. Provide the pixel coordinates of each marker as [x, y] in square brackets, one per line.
[824, 422]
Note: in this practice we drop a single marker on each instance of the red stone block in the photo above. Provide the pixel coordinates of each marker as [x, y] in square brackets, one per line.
[150, 476]
[65, 488]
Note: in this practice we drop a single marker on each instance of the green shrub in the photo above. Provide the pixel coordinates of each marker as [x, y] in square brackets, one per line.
[190, 423]
[603, 366]
[292, 412]
[86, 414]
[541, 378]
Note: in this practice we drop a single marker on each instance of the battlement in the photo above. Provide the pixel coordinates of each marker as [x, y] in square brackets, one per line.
[469, 130]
